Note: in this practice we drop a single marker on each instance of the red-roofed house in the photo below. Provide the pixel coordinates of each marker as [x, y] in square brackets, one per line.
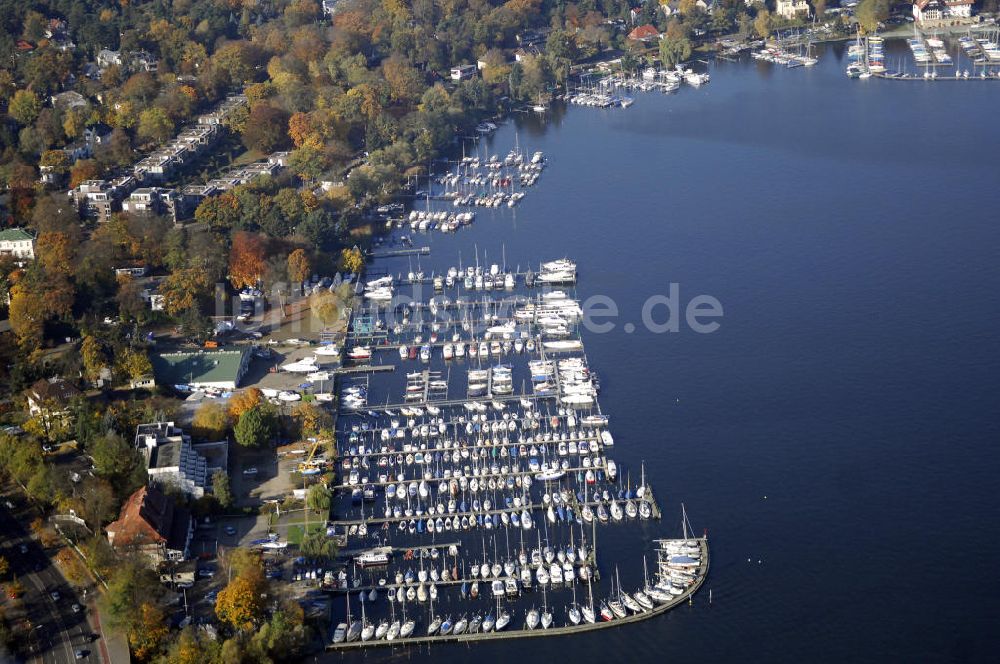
[644, 33]
[151, 524]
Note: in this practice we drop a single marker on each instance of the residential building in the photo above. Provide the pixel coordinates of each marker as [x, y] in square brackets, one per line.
[644, 33]
[173, 460]
[48, 399]
[958, 8]
[151, 524]
[18, 243]
[107, 58]
[69, 99]
[154, 201]
[790, 9]
[463, 72]
[214, 369]
[95, 198]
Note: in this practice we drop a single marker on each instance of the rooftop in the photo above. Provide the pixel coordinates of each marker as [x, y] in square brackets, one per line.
[15, 235]
[202, 366]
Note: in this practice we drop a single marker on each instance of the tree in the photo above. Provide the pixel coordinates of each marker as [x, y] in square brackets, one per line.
[246, 260]
[210, 422]
[71, 566]
[317, 545]
[55, 252]
[300, 129]
[24, 107]
[55, 161]
[134, 364]
[299, 267]
[351, 260]
[93, 357]
[221, 488]
[155, 125]
[674, 50]
[870, 13]
[239, 604]
[147, 635]
[4, 567]
[318, 498]
[819, 8]
[762, 24]
[118, 462]
[311, 419]
[83, 170]
[243, 401]
[266, 129]
[27, 316]
[256, 426]
[325, 306]
[183, 288]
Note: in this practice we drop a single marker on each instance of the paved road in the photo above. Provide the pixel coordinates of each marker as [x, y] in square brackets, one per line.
[59, 631]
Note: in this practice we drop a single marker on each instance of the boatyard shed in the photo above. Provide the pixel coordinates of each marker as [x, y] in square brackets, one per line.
[219, 369]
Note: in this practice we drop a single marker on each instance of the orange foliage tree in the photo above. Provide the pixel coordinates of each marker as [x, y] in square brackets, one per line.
[246, 260]
[243, 401]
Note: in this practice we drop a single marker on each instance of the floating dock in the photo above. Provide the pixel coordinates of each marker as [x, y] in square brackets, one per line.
[568, 630]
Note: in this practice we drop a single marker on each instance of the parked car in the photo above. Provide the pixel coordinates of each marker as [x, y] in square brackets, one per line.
[230, 530]
[54, 595]
[75, 608]
[206, 572]
[252, 470]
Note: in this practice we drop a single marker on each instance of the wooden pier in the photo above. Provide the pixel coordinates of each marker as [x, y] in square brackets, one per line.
[567, 630]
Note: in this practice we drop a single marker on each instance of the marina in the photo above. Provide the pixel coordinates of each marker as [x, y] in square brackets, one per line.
[498, 439]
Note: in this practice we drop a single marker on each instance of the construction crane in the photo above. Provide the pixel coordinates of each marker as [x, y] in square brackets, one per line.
[311, 466]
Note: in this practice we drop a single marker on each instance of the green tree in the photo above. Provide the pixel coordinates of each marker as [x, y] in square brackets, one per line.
[318, 498]
[256, 426]
[221, 488]
[674, 50]
[870, 13]
[24, 107]
[318, 545]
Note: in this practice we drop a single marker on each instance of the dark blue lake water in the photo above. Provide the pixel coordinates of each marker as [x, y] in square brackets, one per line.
[837, 435]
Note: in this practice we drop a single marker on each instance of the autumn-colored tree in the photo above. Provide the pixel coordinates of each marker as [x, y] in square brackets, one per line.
[219, 212]
[243, 401]
[133, 364]
[406, 84]
[325, 306]
[24, 107]
[83, 170]
[239, 604]
[210, 422]
[300, 130]
[311, 419]
[183, 288]
[71, 566]
[351, 260]
[299, 266]
[266, 129]
[147, 636]
[763, 23]
[155, 125]
[93, 357]
[27, 316]
[246, 260]
[4, 567]
[55, 161]
[55, 252]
